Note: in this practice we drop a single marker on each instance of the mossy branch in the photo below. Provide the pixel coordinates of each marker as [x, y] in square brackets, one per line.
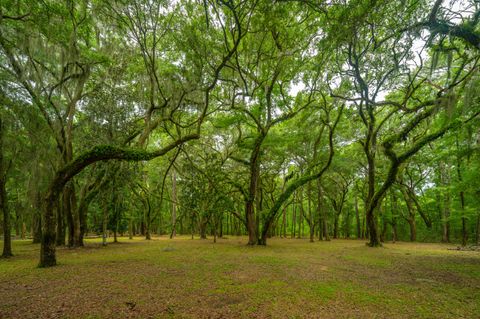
[107, 152]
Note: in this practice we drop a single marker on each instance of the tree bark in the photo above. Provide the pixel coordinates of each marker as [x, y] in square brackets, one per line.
[413, 230]
[320, 210]
[148, 221]
[130, 228]
[444, 196]
[60, 237]
[7, 231]
[68, 211]
[411, 214]
[394, 217]
[357, 217]
[105, 223]
[446, 217]
[174, 204]
[335, 225]
[462, 201]
[294, 216]
[203, 230]
[311, 220]
[464, 220]
[302, 212]
[37, 219]
[478, 230]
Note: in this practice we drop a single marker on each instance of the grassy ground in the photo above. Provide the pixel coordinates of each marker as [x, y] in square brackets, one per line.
[290, 278]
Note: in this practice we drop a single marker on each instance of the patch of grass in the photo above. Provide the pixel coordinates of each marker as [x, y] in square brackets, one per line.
[289, 278]
[467, 270]
[369, 260]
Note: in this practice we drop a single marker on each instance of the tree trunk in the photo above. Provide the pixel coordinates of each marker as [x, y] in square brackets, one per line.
[253, 191]
[320, 228]
[394, 229]
[174, 204]
[220, 235]
[60, 238]
[383, 235]
[347, 224]
[319, 211]
[130, 229]
[357, 217]
[18, 220]
[302, 212]
[445, 181]
[7, 239]
[464, 220]
[311, 221]
[104, 224]
[87, 193]
[82, 215]
[68, 210]
[37, 219]
[372, 228]
[394, 217]
[192, 228]
[413, 229]
[462, 197]
[115, 231]
[370, 150]
[215, 225]
[148, 221]
[294, 217]
[24, 231]
[258, 207]
[478, 230]
[411, 213]
[325, 226]
[47, 248]
[364, 225]
[335, 225]
[324, 215]
[203, 229]
[77, 233]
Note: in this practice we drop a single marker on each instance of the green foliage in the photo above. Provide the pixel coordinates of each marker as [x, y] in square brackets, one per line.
[307, 115]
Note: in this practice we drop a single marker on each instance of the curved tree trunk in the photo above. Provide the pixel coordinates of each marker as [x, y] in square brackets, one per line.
[98, 153]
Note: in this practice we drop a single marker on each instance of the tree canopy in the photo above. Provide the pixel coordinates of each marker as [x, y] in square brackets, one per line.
[355, 119]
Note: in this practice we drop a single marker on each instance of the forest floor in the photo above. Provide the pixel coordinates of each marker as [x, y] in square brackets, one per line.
[290, 278]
